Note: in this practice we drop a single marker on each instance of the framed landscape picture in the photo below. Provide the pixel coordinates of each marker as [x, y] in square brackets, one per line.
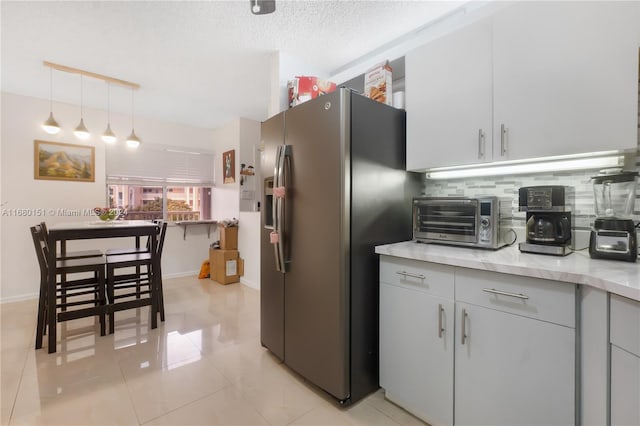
[229, 166]
[64, 161]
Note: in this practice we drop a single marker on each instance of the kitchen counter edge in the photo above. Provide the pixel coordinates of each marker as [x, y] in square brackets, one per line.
[618, 277]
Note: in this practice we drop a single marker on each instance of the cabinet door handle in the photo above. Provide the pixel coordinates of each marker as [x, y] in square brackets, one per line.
[440, 328]
[480, 144]
[505, 293]
[503, 143]
[465, 316]
[409, 274]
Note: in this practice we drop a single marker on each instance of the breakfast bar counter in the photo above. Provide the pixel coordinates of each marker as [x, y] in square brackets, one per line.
[617, 277]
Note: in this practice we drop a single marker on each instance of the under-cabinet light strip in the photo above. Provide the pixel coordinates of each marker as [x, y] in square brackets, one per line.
[538, 167]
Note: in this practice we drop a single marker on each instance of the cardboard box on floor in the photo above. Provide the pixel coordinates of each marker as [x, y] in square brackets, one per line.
[226, 266]
[228, 237]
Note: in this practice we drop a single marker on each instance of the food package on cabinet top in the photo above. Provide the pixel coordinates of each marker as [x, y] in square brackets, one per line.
[377, 83]
[303, 88]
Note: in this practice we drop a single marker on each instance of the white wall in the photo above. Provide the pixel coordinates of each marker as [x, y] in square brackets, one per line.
[249, 156]
[242, 135]
[285, 67]
[21, 118]
[1, 201]
[249, 234]
[226, 204]
[249, 247]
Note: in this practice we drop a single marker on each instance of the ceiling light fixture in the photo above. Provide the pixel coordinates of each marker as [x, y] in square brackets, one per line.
[132, 141]
[108, 136]
[51, 126]
[81, 131]
[262, 7]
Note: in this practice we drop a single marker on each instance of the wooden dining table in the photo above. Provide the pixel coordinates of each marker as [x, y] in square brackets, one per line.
[68, 231]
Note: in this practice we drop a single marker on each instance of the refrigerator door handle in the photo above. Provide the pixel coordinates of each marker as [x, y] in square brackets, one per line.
[279, 192]
[280, 266]
[275, 234]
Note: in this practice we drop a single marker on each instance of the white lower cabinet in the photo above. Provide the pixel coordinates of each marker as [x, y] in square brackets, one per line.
[512, 370]
[625, 361]
[416, 338]
[506, 356]
[515, 350]
[625, 387]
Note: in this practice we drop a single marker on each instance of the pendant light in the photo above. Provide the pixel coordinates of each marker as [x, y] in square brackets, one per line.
[108, 136]
[51, 126]
[132, 141]
[81, 131]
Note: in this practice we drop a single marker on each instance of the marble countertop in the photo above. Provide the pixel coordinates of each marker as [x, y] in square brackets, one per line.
[619, 277]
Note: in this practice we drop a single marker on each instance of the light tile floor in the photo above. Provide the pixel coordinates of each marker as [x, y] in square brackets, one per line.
[203, 366]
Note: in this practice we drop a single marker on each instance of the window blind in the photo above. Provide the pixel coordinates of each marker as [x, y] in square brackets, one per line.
[159, 164]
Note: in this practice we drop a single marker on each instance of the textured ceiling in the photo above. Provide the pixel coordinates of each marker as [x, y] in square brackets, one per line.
[201, 63]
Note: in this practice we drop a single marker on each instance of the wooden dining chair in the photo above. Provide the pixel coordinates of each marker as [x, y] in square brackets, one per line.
[127, 290]
[146, 249]
[64, 254]
[163, 231]
[137, 248]
[83, 297]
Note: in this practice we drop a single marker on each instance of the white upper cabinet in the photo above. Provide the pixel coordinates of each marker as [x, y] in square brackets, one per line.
[448, 99]
[566, 77]
[535, 79]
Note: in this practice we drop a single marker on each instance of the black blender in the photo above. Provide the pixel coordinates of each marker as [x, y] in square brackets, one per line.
[614, 233]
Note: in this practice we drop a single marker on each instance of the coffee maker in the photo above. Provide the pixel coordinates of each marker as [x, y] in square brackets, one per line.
[614, 233]
[548, 220]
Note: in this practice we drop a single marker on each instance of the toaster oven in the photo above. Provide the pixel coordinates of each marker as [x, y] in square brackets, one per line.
[465, 221]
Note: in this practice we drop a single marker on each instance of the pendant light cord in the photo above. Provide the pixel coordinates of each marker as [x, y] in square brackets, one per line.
[81, 99]
[132, 108]
[51, 90]
[108, 103]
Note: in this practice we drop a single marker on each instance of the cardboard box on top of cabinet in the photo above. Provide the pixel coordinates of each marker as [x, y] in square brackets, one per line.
[377, 83]
[228, 237]
[304, 88]
[226, 266]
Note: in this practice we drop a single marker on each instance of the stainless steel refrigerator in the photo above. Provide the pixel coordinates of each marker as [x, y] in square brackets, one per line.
[334, 187]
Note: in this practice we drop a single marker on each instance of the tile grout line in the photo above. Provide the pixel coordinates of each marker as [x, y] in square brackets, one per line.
[24, 366]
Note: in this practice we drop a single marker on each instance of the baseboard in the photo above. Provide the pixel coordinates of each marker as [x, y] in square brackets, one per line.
[180, 274]
[249, 283]
[20, 298]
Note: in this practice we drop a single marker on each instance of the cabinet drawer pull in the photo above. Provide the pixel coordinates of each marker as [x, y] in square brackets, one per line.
[440, 328]
[409, 274]
[503, 144]
[465, 316]
[505, 293]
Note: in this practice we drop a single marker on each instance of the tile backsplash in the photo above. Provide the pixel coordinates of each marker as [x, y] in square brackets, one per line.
[507, 187]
